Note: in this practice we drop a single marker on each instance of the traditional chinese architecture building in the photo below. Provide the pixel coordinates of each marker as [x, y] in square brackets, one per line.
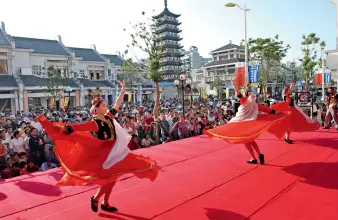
[168, 34]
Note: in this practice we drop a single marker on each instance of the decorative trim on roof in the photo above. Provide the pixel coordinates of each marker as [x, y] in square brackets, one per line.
[226, 47]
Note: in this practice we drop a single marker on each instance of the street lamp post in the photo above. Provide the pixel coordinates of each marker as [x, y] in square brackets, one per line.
[323, 75]
[231, 5]
[181, 85]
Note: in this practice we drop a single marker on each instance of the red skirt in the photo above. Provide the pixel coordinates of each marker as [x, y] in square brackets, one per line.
[81, 157]
[297, 121]
[248, 131]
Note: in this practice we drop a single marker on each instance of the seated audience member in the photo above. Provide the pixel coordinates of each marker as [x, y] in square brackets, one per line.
[23, 168]
[133, 144]
[15, 169]
[3, 153]
[6, 174]
[146, 142]
[31, 167]
[48, 165]
[22, 157]
[13, 158]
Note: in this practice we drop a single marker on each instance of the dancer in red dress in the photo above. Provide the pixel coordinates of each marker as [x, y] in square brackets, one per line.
[248, 125]
[298, 120]
[102, 159]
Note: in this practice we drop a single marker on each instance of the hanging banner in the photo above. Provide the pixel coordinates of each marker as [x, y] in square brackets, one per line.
[327, 77]
[253, 73]
[319, 78]
[240, 74]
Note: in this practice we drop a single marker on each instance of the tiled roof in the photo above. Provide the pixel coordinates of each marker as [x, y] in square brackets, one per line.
[86, 54]
[3, 40]
[8, 81]
[166, 12]
[32, 81]
[115, 59]
[227, 47]
[40, 46]
[222, 62]
[95, 83]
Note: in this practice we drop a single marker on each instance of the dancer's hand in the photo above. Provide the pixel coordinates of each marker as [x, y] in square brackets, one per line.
[122, 84]
[233, 82]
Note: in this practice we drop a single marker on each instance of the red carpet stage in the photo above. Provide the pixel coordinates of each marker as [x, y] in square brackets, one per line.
[201, 179]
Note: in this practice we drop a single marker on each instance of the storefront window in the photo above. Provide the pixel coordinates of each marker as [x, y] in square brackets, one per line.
[3, 67]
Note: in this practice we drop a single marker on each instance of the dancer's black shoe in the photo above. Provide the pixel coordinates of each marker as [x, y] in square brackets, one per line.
[288, 141]
[108, 208]
[94, 204]
[261, 158]
[252, 161]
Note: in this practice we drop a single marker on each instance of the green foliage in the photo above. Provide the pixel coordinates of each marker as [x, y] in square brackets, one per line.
[218, 84]
[128, 72]
[270, 52]
[310, 47]
[55, 79]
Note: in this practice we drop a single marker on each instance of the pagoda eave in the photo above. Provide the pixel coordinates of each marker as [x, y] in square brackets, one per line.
[170, 38]
[166, 12]
[173, 30]
[176, 23]
[166, 54]
[173, 46]
[171, 63]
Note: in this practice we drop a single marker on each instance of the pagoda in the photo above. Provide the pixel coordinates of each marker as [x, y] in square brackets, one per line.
[168, 31]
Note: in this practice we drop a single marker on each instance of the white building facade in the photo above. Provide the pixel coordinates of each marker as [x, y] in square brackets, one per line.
[23, 67]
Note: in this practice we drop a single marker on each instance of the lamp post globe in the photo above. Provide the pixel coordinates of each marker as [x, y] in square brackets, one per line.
[176, 82]
[188, 81]
[182, 77]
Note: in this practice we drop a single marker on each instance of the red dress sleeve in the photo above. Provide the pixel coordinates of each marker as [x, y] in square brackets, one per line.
[86, 126]
[263, 108]
[243, 100]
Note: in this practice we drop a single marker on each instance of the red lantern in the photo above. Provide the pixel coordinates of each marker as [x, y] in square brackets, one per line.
[153, 91]
[144, 92]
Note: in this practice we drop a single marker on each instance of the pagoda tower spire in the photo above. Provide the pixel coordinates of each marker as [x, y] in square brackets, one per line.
[165, 3]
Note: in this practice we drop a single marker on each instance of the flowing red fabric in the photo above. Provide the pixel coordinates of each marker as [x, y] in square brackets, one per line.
[81, 157]
[248, 131]
[297, 121]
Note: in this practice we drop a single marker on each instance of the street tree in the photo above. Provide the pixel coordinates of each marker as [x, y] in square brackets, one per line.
[145, 39]
[270, 52]
[310, 46]
[218, 84]
[55, 80]
[129, 72]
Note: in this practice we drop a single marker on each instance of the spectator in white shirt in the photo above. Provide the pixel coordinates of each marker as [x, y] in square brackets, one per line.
[36, 124]
[16, 144]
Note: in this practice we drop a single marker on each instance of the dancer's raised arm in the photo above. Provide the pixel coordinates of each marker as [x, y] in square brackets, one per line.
[120, 98]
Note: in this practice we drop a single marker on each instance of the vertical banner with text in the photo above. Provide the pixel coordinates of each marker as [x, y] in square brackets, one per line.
[319, 78]
[240, 74]
[253, 73]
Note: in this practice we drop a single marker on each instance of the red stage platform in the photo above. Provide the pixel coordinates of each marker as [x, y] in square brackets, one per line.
[201, 179]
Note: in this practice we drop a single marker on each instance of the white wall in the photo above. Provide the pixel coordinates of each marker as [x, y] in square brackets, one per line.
[21, 60]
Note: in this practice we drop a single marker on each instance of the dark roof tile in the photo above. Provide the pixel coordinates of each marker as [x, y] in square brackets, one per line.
[33, 81]
[3, 40]
[86, 54]
[115, 59]
[227, 47]
[40, 46]
[95, 83]
[8, 81]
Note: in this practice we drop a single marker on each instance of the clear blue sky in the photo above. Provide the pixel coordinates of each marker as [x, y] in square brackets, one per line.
[205, 24]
